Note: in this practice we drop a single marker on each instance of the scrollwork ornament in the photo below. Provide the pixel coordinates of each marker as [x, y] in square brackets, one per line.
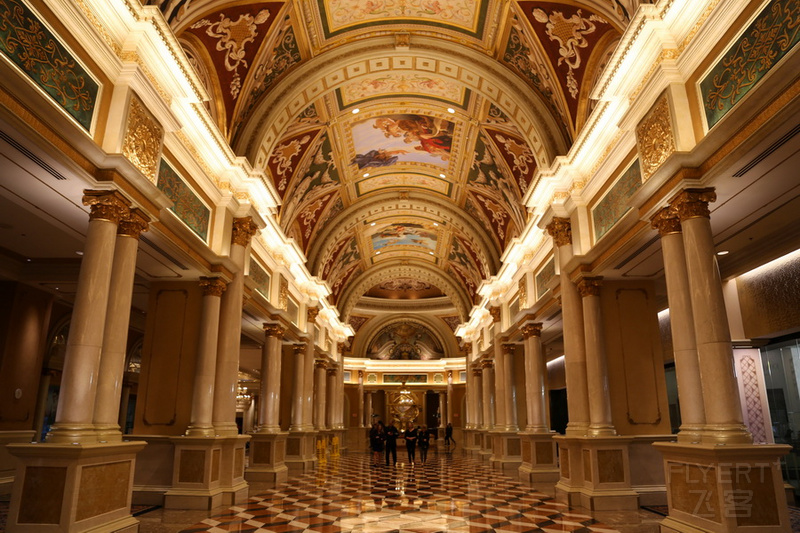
[134, 224]
[110, 206]
[561, 231]
[666, 222]
[523, 291]
[532, 330]
[496, 313]
[243, 230]
[143, 139]
[693, 203]
[589, 287]
[283, 293]
[311, 314]
[212, 286]
[655, 139]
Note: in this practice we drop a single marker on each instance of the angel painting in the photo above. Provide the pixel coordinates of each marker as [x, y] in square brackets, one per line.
[395, 139]
[433, 135]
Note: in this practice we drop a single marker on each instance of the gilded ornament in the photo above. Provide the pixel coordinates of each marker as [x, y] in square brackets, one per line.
[693, 203]
[273, 330]
[508, 348]
[496, 313]
[106, 205]
[311, 314]
[666, 222]
[320, 364]
[589, 287]
[283, 293]
[532, 330]
[134, 224]
[523, 291]
[212, 286]
[243, 230]
[300, 348]
[655, 138]
[143, 139]
[487, 364]
[561, 231]
[477, 372]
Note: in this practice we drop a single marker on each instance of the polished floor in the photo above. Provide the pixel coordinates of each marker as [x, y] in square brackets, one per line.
[452, 492]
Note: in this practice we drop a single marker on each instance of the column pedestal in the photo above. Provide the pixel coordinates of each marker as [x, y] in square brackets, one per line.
[267, 455]
[472, 441]
[485, 452]
[234, 487]
[724, 488]
[8, 466]
[506, 451]
[301, 451]
[539, 459]
[595, 473]
[73, 488]
[196, 473]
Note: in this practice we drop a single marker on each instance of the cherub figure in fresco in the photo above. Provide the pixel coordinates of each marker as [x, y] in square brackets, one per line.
[378, 158]
[432, 134]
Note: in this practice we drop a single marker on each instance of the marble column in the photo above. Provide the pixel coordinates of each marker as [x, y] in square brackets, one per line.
[361, 414]
[510, 418]
[450, 397]
[600, 421]
[320, 395]
[310, 357]
[500, 387]
[115, 336]
[684, 344]
[443, 409]
[230, 332]
[270, 403]
[574, 341]
[124, 403]
[535, 376]
[369, 412]
[297, 388]
[76, 401]
[477, 380]
[201, 418]
[487, 388]
[332, 400]
[723, 411]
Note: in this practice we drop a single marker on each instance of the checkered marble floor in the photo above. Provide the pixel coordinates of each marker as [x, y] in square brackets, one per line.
[449, 493]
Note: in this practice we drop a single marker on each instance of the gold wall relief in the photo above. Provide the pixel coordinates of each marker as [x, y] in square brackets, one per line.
[143, 139]
[655, 137]
[283, 294]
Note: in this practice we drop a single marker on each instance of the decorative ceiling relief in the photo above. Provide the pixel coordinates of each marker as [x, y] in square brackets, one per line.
[518, 157]
[286, 156]
[358, 321]
[395, 84]
[451, 321]
[464, 265]
[404, 181]
[404, 289]
[405, 340]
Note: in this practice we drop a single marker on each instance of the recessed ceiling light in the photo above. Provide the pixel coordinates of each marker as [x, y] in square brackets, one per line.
[442, 176]
[79, 252]
[365, 175]
[430, 253]
[378, 252]
[723, 252]
[451, 110]
[28, 260]
[435, 223]
[372, 224]
[355, 111]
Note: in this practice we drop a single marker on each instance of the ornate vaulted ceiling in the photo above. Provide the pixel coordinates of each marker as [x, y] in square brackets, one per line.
[401, 135]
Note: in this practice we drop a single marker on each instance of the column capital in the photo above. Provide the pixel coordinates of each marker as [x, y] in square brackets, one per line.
[212, 286]
[666, 222]
[111, 206]
[589, 287]
[693, 203]
[561, 231]
[532, 329]
[332, 371]
[300, 348]
[320, 363]
[243, 230]
[477, 372]
[311, 314]
[273, 330]
[508, 347]
[496, 313]
[487, 364]
[134, 224]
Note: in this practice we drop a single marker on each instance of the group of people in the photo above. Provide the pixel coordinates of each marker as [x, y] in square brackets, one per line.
[383, 439]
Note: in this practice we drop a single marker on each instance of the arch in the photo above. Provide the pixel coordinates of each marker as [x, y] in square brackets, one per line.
[474, 70]
[412, 269]
[440, 331]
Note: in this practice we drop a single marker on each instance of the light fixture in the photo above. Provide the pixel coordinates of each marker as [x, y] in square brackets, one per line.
[435, 223]
[451, 110]
[372, 224]
[79, 252]
[442, 176]
[378, 252]
[355, 111]
[723, 252]
[242, 394]
[365, 175]
[430, 253]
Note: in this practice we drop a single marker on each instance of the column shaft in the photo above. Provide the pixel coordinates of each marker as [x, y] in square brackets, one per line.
[362, 421]
[297, 387]
[535, 376]
[331, 401]
[369, 412]
[443, 409]
[320, 396]
[308, 386]
[510, 417]
[477, 380]
[270, 403]
[500, 387]
[488, 387]
[596, 362]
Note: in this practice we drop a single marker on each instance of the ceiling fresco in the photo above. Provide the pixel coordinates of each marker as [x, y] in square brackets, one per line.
[400, 135]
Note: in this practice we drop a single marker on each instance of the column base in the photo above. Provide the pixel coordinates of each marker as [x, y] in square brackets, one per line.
[267, 454]
[485, 452]
[724, 488]
[472, 441]
[234, 488]
[595, 473]
[301, 451]
[506, 451]
[154, 465]
[539, 458]
[74, 488]
[196, 473]
[8, 466]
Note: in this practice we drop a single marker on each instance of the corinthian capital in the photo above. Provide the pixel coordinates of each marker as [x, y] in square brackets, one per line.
[532, 330]
[212, 286]
[134, 224]
[666, 222]
[111, 206]
[589, 287]
[561, 231]
[693, 203]
[243, 230]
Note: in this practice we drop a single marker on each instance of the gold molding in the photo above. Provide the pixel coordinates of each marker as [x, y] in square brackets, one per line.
[655, 137]
[144, 137]
[274, 330]
[134, 224]
[532, 330]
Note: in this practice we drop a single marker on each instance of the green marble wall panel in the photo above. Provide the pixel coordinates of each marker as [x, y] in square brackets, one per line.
[32, 47]
[614, 204]
[766, 41]
[544, 276]
[186, 204]
[260, 277]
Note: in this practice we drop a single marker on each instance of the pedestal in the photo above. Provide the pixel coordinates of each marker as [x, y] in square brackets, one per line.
[472, 441]
[267, 454]
[301, 451]
[506, 451]
[724, 488]
[539, 458]
[234, 487]
[196, 473]
[8, 465]
[595, 473]
[485, 452]
[73, 488]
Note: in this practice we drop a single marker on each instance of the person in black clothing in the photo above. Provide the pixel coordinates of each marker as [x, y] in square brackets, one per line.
[391, 434]
[376, 437]
[424, 441]
[411, 442]
[448, 435]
